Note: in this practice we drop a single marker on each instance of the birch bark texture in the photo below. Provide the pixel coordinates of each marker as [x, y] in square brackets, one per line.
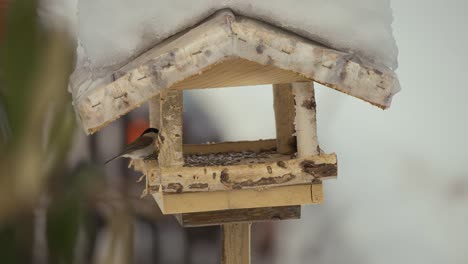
[306, 119]
[224, 37]
[306, 129]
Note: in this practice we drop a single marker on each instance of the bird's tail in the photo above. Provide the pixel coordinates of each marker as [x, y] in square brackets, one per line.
[118, 156]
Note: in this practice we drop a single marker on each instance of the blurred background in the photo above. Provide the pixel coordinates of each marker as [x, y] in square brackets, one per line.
[401, 194]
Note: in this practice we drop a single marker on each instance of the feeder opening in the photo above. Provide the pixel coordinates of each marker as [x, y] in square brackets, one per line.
[228, 114]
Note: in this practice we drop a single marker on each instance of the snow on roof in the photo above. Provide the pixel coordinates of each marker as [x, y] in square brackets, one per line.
[111, 32]
[273, 55]
[114, 38]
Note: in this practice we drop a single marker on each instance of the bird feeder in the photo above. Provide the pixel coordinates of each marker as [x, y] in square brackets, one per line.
[235, 183]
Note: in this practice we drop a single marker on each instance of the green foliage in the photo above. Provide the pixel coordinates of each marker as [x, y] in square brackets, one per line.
[8, 243]
[36, 126]
[19, 61]
[63, 222]
[68, 212]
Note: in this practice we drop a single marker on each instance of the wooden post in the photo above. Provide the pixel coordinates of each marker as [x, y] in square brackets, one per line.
[284, 116]
[306, 129]
[154, 105]
[236, 243]
[306, 120]
[170, 134]
[165, 113]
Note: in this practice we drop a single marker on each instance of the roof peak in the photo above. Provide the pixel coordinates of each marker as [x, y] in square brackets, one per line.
[188, 58]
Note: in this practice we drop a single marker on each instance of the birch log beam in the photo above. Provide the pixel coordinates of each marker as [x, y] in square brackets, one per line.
[236, 243]
[170, 134]
[306, 128]
[306, 120]
[247, 176]
[284, 118]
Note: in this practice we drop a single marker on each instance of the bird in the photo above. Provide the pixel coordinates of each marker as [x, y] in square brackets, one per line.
[143, 147]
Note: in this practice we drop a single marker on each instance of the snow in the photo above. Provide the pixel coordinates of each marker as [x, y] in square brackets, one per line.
[110, 32]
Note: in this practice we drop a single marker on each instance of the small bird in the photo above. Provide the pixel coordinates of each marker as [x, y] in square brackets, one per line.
[143, 147]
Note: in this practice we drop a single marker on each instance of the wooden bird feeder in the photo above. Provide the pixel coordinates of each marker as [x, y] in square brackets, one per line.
[235, 183]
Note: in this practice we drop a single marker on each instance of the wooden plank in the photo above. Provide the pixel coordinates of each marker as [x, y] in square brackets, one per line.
[238, 72]
[170, 134]
[236, 243]
[317, 192]
[283, 103]
[254, 146]
[247, 176]
[236, 199]
[239, 216]
[222, 38]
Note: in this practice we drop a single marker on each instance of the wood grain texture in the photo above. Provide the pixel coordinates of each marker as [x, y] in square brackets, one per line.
[177, 203]
[234, 72]
[306, 129]
[306, 119]
[246, 176]
[283, 104]
[236, 243]
[154, 105]
[170, 134]
[222, 38]
[317, 192]
[239, 216]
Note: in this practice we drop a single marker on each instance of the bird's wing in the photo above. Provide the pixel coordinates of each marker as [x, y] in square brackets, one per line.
[139, 143]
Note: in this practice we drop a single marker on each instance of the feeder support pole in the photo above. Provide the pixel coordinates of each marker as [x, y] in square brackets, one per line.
[236, 243]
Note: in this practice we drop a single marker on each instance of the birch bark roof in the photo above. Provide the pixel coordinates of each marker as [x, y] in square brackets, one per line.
[112, 41]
